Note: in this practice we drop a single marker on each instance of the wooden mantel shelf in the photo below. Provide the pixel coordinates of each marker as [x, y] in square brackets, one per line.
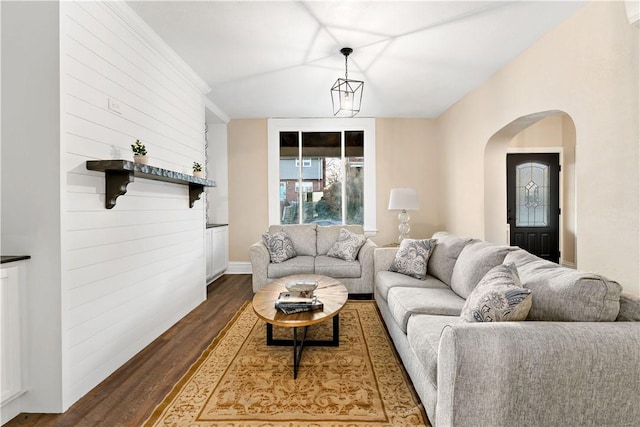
[119, 173]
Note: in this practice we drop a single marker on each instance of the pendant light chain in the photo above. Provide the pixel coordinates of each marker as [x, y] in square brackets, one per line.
[346, 68]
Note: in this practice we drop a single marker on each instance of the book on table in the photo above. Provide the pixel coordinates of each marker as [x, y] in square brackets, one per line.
[297, 302]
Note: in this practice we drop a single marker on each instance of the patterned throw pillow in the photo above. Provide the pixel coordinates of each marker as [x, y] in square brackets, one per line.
[412, 257]
[347, 245]
[280, 246]
[499, 297]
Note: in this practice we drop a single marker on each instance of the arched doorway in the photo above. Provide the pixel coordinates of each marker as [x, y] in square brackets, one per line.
[548, 131]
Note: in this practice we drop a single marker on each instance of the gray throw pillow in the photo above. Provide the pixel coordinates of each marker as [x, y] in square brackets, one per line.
[499, 297]
[280, 246]
[347, 245]
[412, 257]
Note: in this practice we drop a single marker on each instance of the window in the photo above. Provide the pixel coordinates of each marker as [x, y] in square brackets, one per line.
[532, 195]
[332, 161]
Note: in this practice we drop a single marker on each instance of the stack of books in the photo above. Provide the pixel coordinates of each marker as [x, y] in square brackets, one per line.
[297, 302]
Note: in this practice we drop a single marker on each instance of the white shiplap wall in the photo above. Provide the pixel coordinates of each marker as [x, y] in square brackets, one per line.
[130, 272]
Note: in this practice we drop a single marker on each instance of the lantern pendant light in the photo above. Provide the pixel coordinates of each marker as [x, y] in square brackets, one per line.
[346, 95]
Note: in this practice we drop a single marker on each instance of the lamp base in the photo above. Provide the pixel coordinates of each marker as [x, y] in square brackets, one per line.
[404, 227]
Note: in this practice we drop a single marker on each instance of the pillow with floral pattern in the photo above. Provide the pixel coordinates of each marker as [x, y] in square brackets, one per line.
[499, 297]
[347, 245]
[280, 246]
[412, 257]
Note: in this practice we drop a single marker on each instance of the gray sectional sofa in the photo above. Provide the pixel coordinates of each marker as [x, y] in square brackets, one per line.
[312, 243]
[575, 360]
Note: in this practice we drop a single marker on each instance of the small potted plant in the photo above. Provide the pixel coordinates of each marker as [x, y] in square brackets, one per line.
[197, 170]
[139, 152]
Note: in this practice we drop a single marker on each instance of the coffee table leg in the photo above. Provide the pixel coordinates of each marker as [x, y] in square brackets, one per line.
[336, 331]
[270, 334]
[295, 353]
[297, 349]
[299, 346]
[333, 342]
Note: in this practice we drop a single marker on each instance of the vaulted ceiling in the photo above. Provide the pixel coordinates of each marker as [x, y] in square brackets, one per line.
[280, 58]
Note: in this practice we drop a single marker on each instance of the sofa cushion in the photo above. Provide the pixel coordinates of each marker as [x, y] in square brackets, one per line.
[336, 267]
[563, 294]
[445, 254]
[499, 297]
[629, 308]
[301, 264]
[475, 260]
[302, 235]
[423, 335]
[386, 280]
[405, 302]
[347, 245]
[328, 234]
[412, 257]
[279, 245]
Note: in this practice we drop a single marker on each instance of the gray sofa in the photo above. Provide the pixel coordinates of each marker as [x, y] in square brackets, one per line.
[575, 361]
[311, 243]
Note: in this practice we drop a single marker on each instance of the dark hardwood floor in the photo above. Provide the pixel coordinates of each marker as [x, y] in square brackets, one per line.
[127, 397]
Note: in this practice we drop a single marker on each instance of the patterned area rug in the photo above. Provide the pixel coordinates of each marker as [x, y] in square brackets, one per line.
[240, 381]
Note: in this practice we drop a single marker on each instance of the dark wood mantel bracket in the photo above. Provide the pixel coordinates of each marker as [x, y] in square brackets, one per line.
[195, 191]
[119, 173]
[116, 185]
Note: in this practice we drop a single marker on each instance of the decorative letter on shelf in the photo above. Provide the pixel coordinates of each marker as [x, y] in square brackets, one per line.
[119, 173]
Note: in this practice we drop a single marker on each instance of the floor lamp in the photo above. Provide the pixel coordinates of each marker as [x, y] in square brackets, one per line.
[403, 200]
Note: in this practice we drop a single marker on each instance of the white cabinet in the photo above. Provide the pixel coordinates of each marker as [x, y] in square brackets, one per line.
[216, 251]
[11, 283]
[208, 253]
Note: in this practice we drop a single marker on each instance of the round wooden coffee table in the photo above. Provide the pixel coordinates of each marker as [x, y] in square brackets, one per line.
[330, 292]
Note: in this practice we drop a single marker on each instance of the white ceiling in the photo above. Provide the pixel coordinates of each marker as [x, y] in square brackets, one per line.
[280, 58]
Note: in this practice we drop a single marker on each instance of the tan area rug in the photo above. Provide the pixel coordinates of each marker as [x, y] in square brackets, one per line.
[240, 381]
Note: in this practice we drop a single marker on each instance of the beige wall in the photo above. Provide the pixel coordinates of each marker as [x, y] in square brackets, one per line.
[248, 204]
[588, 68]
[406, 156]
[569, 214]
[545, 133]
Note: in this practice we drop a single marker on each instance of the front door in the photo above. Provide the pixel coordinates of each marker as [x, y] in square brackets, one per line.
[533, 203]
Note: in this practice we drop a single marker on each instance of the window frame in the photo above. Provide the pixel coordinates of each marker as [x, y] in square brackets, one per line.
[275, 126]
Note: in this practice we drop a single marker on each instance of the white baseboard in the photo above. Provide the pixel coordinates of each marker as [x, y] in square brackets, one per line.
[11, 407]
[567, 264]
[238, 267]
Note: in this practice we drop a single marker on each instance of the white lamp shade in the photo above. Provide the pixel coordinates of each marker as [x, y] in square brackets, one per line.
[404, 199]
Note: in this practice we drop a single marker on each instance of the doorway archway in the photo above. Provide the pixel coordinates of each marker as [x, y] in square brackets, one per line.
[552, 130]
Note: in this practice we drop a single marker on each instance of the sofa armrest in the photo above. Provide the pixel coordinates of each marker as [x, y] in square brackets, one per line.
[365, 257]
[383, 257]
[539, 373]
[366, 252]
[260, 259]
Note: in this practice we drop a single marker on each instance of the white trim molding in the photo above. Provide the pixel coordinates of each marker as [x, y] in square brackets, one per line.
[239, 267]
[368, 125]
[217, 111]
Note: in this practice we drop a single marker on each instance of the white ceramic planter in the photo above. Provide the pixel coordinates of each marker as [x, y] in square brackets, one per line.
[198, 174]
[142, 160]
